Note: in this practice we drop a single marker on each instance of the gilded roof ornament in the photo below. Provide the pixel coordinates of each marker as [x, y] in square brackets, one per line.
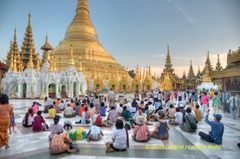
[71, 60]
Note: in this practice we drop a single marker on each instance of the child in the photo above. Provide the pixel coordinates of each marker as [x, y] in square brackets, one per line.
[12, 124]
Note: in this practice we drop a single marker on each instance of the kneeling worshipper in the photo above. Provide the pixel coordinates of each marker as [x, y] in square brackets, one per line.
[39, 124]
[94, 134]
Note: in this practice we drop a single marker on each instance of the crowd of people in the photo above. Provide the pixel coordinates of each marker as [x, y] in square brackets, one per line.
[161, 109]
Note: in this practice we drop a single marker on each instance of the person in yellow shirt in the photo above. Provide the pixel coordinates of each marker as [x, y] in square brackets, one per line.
[198, 115]
[51, 112]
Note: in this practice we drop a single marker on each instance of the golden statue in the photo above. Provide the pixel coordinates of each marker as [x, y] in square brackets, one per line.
[13, 94]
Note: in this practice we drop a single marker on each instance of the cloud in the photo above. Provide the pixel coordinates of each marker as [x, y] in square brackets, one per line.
[158, 56]
[180, 9]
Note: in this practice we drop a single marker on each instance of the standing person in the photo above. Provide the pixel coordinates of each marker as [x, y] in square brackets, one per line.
[5, 117]
[216, 102]
[161, 128]
[111, 96]
[120, 138]
[28, 118]
[233, 105]
[217, 129]
[194, 99]
[204, 102]
[96, 103]
[12, 124]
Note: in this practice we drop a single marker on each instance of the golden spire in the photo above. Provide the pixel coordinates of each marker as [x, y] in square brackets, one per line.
[51, 67]
[30, 62]
[29, 19]
[71, 60]
[218, 65]
[14, 64]
[11, 60]
[38, 63]
[206, 76]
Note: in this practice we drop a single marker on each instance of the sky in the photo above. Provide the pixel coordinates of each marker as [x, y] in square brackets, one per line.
[135, 32]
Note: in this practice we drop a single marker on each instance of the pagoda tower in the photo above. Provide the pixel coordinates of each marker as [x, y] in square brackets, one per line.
[184, 75]
[28, 44]
[208, 62]
[168, 65]
[9, 54]
[218, 65]
[83, 36]
[191, 75]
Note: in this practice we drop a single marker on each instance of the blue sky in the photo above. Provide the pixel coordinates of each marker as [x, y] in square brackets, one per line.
[135, 32]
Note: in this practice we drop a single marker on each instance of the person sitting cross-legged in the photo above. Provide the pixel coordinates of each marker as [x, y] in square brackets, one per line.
[68, 112]
[51, 112]
[217, 129]
[112, 116]
[178, 117]
[56, 127]
[94, 134]
[126, 114]
[190, 119]
[135, 120]
[85, 117]
[141, 132]
[161, 128]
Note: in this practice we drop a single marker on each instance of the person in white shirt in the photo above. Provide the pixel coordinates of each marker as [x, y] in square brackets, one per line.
[120, 109]
[120, 138]
[135, 119]
[94, 134]
[61, 106]
[68, 112]
[178, 118]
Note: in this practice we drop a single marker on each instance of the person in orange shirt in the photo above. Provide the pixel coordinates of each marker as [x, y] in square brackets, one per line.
[72, 104]
[81, 109]
[58, 101]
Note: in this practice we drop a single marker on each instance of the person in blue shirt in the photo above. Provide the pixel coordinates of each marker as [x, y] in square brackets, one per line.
[217, 129]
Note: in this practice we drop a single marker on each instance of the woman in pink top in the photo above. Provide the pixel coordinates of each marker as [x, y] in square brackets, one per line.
[141, 132]
[35, 108]
[204, 102]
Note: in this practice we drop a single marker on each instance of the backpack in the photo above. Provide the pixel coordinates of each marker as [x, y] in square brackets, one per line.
[98, 121]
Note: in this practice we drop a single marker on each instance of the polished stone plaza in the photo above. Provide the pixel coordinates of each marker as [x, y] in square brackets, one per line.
[181, 145]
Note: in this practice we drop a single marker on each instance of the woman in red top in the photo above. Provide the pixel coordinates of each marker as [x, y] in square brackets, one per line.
[81, 109]
[39, 124]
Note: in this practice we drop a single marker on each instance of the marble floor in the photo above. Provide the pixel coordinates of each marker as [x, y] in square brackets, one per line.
[181, 145]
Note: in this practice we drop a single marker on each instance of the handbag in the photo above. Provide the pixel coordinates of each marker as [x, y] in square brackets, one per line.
[192, 125]
[74, 147]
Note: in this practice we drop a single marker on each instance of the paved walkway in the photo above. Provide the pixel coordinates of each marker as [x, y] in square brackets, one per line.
[181, 145]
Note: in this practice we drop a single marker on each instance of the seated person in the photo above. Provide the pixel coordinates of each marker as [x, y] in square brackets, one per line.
[112, 117]
[150, 107]
[141, 105]
[126, 114]
[120, 109]
[81, 109]
[94, 134]
[97, 120]
[60, 143]
[161, 128]
[198, 114]
[85, 117]
[56, 107]
[135, 120]
[77, 107]
[61, 106]
[171, 112]
[28, 118]
[51, 112]
[68, 112]
[217, 129]
[35, 107]
[157, 104]
[178, 117]
[120, 138]
[72, 104]
[91, 110]
[39, 124]
[56, 127]
[185, 126]
[103, 109]
[57, 102]
[141, 132]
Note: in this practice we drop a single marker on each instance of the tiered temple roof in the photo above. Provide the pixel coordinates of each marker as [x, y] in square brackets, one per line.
[191, 75]
[218, 65]
[28, 44]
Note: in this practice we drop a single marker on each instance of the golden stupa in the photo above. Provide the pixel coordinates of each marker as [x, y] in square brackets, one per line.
[82, 36]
